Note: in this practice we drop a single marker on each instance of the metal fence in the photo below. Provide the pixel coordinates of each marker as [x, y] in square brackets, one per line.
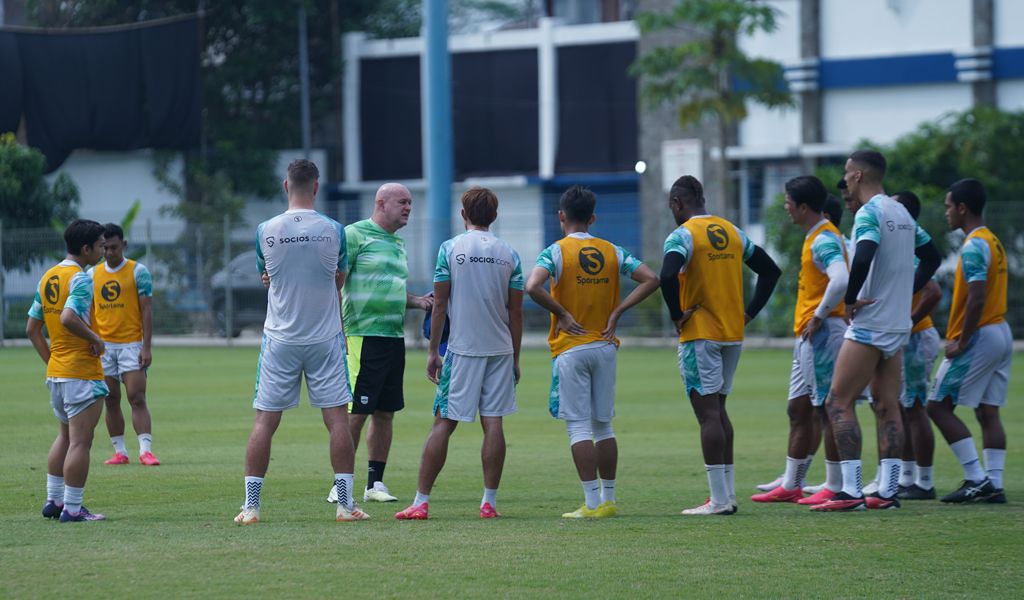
[206, 283]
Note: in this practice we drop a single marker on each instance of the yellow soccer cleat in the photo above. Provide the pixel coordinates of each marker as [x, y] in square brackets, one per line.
[606, 509]
[582, 513]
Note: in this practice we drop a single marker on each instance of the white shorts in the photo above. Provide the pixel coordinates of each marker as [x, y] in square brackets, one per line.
[583, 384]
[68, 397]
[121, 358]
[918, 361]
[814, 361]
[887, 342]
[476, 383]
[708, 367]
[281, 367]
[981, 374]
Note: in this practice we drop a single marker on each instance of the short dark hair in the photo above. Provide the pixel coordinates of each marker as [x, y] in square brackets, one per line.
[970, 192]
[302, 173]
[480, 205]
[809, 190]
[81, 232]
[874, 162]
[577, 203]
[910, 201]
[689, 190]
[111, 230]
[833, 209]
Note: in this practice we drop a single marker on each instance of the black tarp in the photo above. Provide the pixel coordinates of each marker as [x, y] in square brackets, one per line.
[390, 123]
[108, 89]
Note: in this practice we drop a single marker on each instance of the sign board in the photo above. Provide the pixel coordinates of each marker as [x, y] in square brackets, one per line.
[681, 157]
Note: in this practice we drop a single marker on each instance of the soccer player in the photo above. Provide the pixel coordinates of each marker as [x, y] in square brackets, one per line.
[585, 310]
[979, 349]
[74, 374]
[478, 284]
[819, 327]
[918, 359]
[374, 306]
[303, 253]
[878, 305]
[702, 283]
[123, 310]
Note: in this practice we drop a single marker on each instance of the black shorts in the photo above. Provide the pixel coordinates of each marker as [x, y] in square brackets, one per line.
[377, 366]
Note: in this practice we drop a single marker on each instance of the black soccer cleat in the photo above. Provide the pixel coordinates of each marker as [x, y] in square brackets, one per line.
[971, 491]
[999, 497]
[916, 492]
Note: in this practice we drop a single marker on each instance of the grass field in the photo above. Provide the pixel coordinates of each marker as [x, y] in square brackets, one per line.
[170, 533]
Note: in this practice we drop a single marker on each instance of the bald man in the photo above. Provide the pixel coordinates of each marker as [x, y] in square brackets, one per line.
[374, 303]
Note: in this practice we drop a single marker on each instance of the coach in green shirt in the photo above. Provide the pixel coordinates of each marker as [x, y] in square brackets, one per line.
[373, 306]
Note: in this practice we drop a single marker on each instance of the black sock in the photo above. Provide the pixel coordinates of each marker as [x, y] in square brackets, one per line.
[374, 473]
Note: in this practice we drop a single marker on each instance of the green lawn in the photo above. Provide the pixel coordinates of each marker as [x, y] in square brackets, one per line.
[170, 533]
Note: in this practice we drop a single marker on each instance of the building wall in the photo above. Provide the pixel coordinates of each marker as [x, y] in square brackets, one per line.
[886, 27]
[884, 114]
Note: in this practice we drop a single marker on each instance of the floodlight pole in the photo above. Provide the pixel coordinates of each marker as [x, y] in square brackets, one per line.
[304, 79]
[437, 120]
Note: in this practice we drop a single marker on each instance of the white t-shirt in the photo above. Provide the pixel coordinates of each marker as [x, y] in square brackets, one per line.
[301, 250]
[890, 281]
[481, 269]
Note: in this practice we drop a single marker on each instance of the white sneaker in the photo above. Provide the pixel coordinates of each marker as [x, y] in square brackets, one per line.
[813, 489]
[871, 488]
[710, 509]
[767, 487]
[332, 496]
[345, 514]
[248, 516]
[378, 493]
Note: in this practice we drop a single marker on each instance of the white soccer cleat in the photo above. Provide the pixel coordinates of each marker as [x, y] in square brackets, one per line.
[813, 489]
[248, 516]
[710, 509]
[332, 496]
[378, 493]
[771, 485]
[871, 488]
[345, 514]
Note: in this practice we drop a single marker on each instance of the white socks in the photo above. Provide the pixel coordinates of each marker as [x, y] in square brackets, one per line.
[730, 482]
[253, 489]
[607, 490]
[54, 488]
[421, 498]
[591, 493]
[490, 497]
[995, 458]
[145, 443]
[118, 442]
[907, 473]
[851, 477]
[790, 478]
[833, 476]
[967, 454]
[924, 478]
[73, 499]
[717, 483]
[889, 477]
[343, 485]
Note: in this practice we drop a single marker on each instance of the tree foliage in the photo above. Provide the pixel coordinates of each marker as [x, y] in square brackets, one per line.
[27, 201]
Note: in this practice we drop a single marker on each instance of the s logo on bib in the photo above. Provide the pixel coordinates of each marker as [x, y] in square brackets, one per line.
[111, 291]
[591, 260]
[53, 289]
[718, 237]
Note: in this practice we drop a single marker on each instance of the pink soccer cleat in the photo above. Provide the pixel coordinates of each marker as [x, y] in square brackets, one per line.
[117, 459]
[416, 512]
[818, 498]
[148, 459]
[487, 511]
[779, 494]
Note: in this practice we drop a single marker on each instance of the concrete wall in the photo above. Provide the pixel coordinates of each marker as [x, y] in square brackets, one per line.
[864, 28]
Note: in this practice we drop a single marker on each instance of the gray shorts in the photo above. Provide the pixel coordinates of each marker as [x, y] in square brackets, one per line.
[121, 358]
[814, 361]
[981, 374]
[708, 367]
[886, 342]
[918, 361]
[68, 397]
[468, 384]
[583, 384]
[281, 367]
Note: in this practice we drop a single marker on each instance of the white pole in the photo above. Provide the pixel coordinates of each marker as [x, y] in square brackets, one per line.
[547, 89]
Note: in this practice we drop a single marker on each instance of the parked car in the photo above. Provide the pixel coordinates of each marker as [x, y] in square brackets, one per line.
[249, 297]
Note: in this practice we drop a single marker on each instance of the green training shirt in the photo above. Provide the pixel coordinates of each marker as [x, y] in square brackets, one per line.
[374, 295]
